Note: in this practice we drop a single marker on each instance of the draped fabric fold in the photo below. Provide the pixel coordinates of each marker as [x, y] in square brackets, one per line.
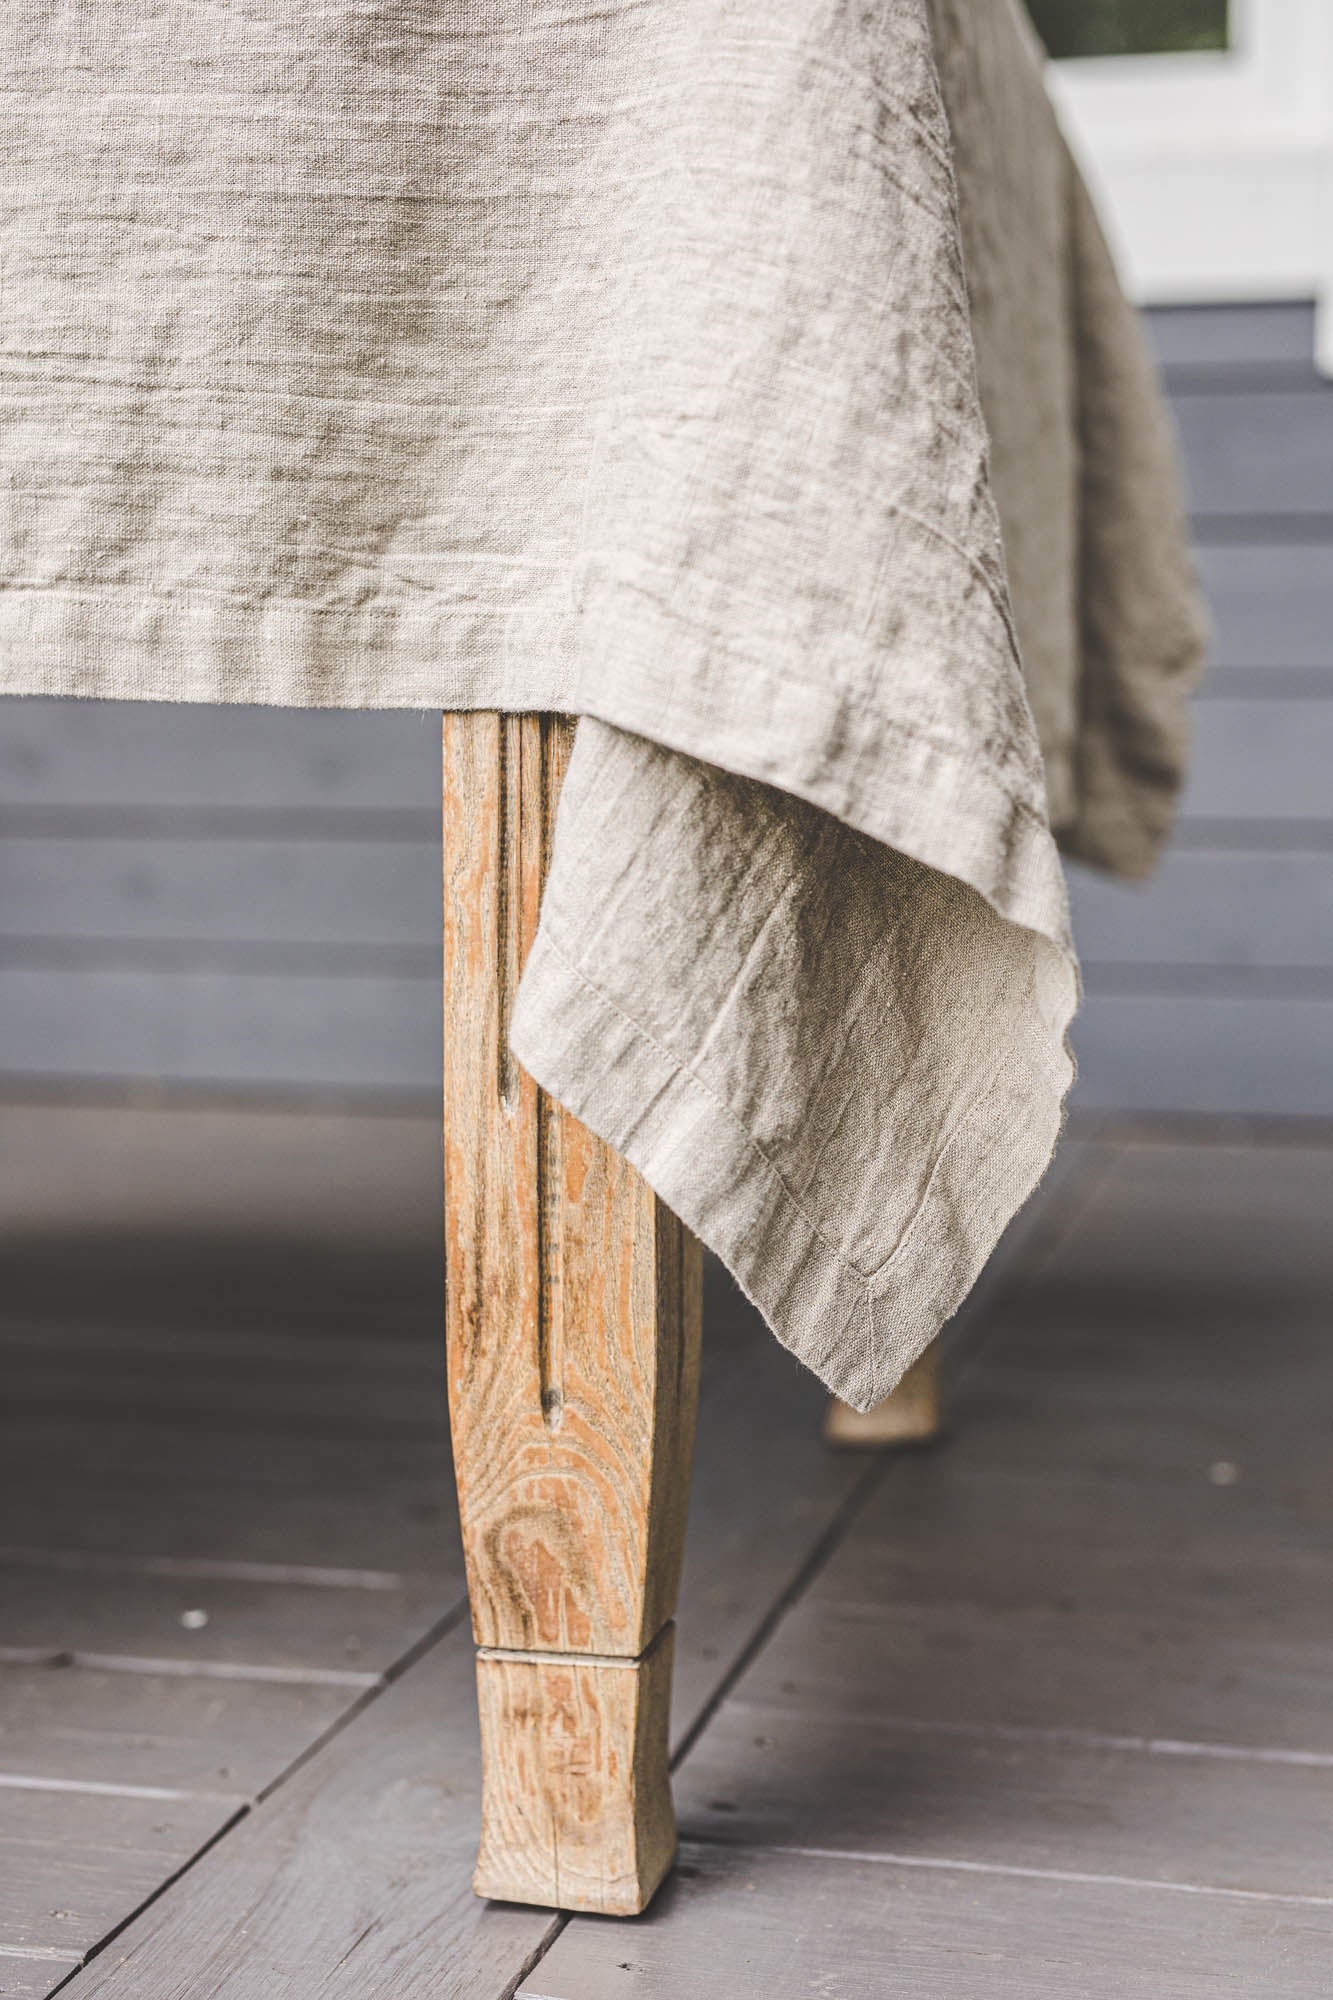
[751, 382]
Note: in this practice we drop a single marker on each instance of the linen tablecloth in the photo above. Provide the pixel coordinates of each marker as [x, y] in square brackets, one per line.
[748, 379]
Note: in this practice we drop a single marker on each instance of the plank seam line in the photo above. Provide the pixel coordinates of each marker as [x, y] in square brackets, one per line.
[946, 1864]
[429, 1639]
[219, 1670]
[20, 1781]
[857, 1496]
[433, 1636]
[1013, 1732]
[203, 1566]
[45, 1954]
[160, 1889]
[534, 1957]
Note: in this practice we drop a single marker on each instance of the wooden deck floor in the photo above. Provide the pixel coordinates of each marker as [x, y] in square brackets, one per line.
[1048, 1712]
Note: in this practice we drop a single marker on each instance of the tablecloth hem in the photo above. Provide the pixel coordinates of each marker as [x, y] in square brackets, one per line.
[858, 1335]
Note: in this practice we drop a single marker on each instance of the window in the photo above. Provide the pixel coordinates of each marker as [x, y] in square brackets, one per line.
[1208, 141]
[1129, 27]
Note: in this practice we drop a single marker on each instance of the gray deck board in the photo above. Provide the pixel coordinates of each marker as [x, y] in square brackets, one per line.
[1050, 1713]
[1216, 1221]
[31, 1976]
[389, 1526]
[81, 1726]
[740, 1924]
[308, 1380]
[261, 1458]
[73, 1865]
[1056, 1602]
[376, 1834]
[207, 1623]
[847, 1779]
[1061, 1667]
[355, 1874]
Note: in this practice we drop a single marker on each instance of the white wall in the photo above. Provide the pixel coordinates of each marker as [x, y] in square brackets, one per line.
[1215, 171]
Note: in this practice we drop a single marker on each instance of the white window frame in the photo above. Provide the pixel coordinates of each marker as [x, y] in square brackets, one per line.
[1214, 171]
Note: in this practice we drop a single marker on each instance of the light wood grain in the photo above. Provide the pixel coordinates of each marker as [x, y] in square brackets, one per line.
[576, 1786]
[573, 1309]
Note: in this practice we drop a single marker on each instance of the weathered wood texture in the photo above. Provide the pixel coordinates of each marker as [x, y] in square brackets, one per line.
[359, 1865]
[913, 1414]
[573, 1313]
[74, 1865]
[227, 1737]
[1053, 1718]
[577, 1807]
[225, 1505]
[206, 1623]
[778, 1925]
[31, 1976]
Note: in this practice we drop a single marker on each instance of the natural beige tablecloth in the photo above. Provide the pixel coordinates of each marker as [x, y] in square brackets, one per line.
[631, 359]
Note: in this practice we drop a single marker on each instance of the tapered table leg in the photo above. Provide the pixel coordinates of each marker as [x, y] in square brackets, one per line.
[573, 1300]
[913, 1414]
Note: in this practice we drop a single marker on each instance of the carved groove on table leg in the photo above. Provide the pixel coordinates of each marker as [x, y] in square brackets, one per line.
[912, 1415]
[573, 1301]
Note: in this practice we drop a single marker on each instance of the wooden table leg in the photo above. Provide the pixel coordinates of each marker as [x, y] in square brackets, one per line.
[913, 1414]
[573, 1300]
